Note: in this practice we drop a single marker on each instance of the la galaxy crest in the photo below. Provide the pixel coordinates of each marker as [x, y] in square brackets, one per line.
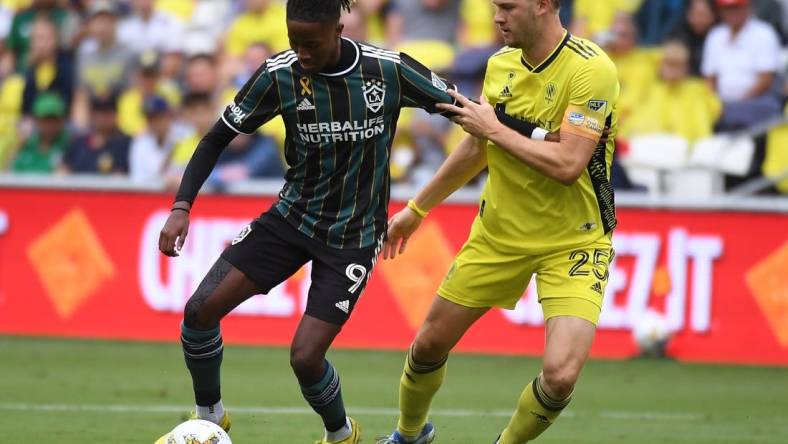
[374, 94]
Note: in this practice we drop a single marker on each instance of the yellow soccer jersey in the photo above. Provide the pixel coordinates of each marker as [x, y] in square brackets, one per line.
[574, 89]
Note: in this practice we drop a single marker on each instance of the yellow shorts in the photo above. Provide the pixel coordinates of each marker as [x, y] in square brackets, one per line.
[568, 282]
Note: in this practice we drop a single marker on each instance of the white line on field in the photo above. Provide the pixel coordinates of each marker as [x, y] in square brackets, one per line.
[374, 411]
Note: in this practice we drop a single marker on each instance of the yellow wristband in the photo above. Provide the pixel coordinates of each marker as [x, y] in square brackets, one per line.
[415, 208]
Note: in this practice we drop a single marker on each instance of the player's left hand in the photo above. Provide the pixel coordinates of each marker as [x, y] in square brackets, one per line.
[476, 119]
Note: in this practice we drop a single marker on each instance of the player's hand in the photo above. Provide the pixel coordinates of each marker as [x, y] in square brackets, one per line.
[401, 226]
[476, 119]
[173, 235]
[605, 136]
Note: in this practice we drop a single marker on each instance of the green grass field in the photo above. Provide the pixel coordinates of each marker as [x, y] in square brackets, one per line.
[64, 391]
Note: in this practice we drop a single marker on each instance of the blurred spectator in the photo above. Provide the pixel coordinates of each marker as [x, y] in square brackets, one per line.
[656, 18]
[19, 35]
[43, 151]
[566, 12]
[50, 69]
[594, 19]
[374, 13]
[183, 10]
[11, 87]
[152, 150]
[482, 39]
[429, 133]
[355, 25]
[677, 104]
[261, 21]
[692, 31]
[201, 75]
[247, 157]
[103, 149]
[103, 63]
[150, 30]
[741, 60]
[477, 26]
[773, 13]
[637, 66]
[147, 82]
[200, 112]
[6, 18]
[425, 29]
[411, 20]
[255, 56]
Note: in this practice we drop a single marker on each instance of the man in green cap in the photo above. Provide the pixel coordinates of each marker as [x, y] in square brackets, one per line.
[42, 151]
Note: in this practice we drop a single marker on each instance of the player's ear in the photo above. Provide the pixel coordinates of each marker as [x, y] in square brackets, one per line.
[340, 27]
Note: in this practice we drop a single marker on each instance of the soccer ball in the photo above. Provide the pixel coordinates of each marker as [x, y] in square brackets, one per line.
[651, 333]
[197, 431]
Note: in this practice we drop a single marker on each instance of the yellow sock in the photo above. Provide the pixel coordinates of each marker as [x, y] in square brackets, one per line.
[417, 386]
[535, 413]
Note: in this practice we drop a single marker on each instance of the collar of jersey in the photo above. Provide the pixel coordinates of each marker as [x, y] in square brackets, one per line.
[553, 55]
[352, 66]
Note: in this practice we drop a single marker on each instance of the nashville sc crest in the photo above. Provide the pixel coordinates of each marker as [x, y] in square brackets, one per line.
[374, 94]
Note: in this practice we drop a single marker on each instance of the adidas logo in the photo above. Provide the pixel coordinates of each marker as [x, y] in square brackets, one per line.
[305, 105]
[343, 305]
[505, 92]
[597, 287]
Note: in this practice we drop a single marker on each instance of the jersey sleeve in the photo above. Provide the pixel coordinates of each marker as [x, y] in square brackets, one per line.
[593, 91]
[422, 88]
[255, 104]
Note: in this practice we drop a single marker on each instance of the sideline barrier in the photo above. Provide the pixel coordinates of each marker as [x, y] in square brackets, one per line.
[84, 263]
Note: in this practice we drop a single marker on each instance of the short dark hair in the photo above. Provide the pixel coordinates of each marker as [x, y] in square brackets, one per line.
[317, 10]
[197, 99]
[556, 4]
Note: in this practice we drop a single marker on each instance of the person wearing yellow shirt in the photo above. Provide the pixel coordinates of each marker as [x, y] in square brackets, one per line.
[594, 18]
[637, 67]
[148, 83]
[676, 104]
[262, 21]
[199, 111]
[547, 211]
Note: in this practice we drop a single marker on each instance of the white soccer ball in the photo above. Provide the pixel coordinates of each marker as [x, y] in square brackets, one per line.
[198, 431]
[651, 332]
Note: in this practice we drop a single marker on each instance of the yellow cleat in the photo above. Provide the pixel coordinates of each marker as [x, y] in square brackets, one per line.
[354, 438]
[224, 424]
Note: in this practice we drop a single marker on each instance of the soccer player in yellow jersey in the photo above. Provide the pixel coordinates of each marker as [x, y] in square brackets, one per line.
[547, 209]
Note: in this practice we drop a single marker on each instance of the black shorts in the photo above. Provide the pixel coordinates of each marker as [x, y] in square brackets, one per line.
[270, 250]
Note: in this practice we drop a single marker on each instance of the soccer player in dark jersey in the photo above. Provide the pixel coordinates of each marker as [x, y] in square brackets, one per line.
[340, 100]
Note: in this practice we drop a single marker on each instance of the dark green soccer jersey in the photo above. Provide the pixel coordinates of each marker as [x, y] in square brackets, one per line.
[340, 127]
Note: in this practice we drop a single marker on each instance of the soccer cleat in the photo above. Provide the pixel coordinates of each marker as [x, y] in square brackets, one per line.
[426, 436]
[354, 438]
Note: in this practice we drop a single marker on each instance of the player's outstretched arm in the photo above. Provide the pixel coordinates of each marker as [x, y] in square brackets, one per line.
[173, 235]
[564, 161]
[462, 165]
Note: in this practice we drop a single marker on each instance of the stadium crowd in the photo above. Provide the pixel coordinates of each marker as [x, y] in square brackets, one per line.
[129, 87]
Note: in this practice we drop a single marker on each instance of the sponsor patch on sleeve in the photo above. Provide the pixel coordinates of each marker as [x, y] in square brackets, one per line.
[576, 118]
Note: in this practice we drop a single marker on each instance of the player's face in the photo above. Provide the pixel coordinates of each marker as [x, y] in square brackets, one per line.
[316, 44]
[517, 21]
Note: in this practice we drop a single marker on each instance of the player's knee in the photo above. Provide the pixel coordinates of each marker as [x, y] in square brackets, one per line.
[196, 316]
[306, 361]
[429, 348]
[560, 379]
